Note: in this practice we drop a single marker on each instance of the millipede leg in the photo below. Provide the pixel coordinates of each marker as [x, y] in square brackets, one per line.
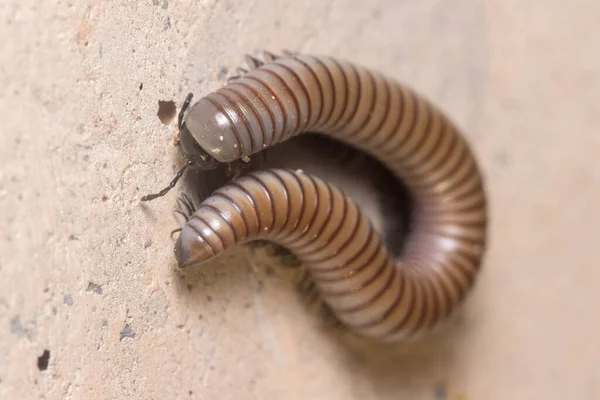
[253, 62]
[328, 317]
[286, 257]
[237, 168]
[258, 244]
[184, 206]
[239, 72]
[290, 53]
[314, 303]
[268, 57]
[306, 288]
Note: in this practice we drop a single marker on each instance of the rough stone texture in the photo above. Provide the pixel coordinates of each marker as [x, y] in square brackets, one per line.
[88, 274]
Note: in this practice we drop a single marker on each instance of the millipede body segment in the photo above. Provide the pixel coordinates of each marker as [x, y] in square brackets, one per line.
[371, 291]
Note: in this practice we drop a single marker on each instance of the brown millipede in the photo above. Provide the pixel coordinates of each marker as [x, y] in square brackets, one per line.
[372, 291]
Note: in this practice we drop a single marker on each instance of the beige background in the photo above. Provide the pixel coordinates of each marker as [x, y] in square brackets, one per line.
[87, 273]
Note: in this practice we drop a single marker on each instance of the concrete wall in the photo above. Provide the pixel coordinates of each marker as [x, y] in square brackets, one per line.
[88, 274]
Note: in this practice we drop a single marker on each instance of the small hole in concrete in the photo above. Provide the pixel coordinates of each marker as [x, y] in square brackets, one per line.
[94, 287]
[43, 360]
[141, 86]
[166, 111]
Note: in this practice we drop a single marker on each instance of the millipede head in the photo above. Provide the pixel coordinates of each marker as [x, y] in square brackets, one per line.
[197, 157]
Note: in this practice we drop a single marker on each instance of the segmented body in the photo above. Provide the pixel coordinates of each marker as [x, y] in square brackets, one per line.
[370, 290]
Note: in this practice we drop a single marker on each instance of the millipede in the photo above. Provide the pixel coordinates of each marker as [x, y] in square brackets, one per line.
[371, 290]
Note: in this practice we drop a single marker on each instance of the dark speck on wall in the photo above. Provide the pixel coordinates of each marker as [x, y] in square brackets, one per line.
[127, 332]
[94, 287]
[165, 4]
[68, 299]
[222, 76]
[16, 327]
[501, 159]
[190, 287]
[25, 329]
[141, 86]
[440, 392]
[209, 298]
[43, 360]
[260, 286]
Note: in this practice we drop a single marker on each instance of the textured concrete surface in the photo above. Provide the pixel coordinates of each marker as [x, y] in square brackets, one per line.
[87, 273]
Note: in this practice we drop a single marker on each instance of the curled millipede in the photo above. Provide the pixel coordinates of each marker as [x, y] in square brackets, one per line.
[370, 290]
